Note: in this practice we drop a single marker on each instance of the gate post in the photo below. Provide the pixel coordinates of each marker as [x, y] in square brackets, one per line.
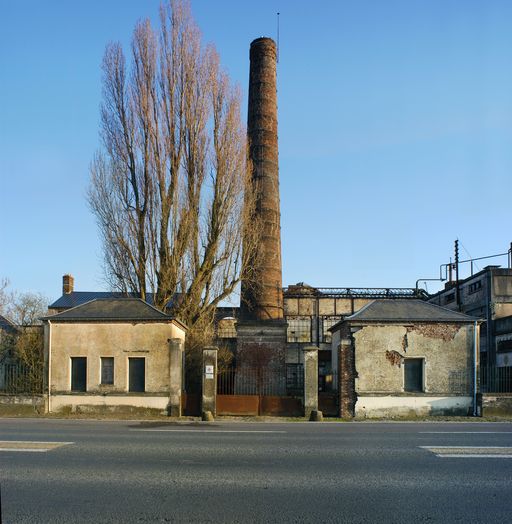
[346, 378]
[310, 380]
[175, 377]
[209, 373]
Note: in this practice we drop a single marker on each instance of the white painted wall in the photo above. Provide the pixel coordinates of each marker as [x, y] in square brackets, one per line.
[390, 405]
[60, 402]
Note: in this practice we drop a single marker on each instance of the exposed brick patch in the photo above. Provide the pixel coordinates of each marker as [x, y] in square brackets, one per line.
[394, 358]
[347, 373]
[445, 332]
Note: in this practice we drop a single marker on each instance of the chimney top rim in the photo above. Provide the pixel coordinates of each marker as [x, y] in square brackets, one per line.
[263, 39]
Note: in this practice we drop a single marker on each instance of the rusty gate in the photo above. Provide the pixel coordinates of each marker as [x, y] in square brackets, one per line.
[260, 391]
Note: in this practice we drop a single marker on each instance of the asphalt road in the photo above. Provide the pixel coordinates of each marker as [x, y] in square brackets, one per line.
[254, 472]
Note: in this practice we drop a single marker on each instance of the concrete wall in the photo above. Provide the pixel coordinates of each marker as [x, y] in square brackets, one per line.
[109, 402]
[150, 340]
[496, 405]
[414, 406]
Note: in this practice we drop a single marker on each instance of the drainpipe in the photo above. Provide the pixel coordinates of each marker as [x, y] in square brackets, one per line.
[49, 365]
[475, 360]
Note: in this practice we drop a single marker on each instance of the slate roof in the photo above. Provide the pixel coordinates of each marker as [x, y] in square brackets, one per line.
[7, 326]
[112, 309]
[407, 311]
[77, 298]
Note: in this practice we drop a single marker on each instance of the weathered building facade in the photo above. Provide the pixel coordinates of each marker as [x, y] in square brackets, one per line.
[398, 357]
[310, 313]
[486, 295]
[114, 352]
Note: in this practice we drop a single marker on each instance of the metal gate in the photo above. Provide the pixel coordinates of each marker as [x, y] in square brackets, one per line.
[260, 391]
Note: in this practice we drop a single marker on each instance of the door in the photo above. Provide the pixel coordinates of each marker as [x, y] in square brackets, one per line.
[78, 374]
[137, 374]
[413, 374]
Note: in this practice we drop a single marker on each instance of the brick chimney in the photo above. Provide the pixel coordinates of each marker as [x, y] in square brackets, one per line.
[68, 283]
[263, 300]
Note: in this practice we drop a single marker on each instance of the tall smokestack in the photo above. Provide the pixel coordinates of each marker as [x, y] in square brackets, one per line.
[263, 300]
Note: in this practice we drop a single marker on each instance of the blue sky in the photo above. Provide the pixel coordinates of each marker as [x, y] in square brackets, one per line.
[395, 132]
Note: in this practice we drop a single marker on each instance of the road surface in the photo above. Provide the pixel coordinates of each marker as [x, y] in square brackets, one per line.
[66, 471]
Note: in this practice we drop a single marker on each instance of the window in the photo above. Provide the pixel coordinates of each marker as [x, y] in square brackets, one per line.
[504, 346]
[474, 287]
[79, 374]
[137, 374]
[413, 374]
[327, 323]
[299, 329]
[449, 298]
[107, 370]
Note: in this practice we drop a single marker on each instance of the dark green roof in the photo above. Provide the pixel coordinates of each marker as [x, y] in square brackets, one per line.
[112, 309]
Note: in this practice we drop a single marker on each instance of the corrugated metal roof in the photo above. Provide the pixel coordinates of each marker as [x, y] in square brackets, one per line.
[407, 311]
[102, 309]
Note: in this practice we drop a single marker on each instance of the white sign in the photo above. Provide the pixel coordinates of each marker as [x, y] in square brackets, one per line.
[209, 375]
[208, 370]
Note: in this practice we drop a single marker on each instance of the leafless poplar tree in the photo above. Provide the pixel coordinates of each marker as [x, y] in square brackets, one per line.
[171, 188]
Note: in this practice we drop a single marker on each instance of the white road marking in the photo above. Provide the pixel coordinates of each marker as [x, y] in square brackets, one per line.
[27, 450]
[470, 451]
[466, 432]
[208, 431]
[30, 446]
[488, 455]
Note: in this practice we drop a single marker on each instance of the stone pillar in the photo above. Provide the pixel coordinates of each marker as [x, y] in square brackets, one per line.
[347, 376]
[175, 377]
[208, 399]
[310, 380]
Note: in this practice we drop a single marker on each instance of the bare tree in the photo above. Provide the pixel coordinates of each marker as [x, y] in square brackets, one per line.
[24, 343]
[171, 186]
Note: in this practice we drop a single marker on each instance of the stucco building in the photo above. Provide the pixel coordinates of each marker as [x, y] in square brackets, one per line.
[114, 352]
[401, 357]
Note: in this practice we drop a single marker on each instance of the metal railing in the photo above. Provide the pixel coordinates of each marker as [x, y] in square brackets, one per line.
[261, 381]
[494, 379]
[17, 378]
[357, 292]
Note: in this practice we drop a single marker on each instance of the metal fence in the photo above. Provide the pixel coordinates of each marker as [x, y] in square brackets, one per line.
[16, 378]
[494, 379]
[261, 381]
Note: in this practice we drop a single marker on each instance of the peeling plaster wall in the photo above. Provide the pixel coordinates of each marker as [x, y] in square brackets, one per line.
[445, 348]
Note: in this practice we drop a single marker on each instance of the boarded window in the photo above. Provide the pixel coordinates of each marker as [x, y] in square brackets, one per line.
[299, 329]
[78, 374]
[107, 370]
[137, 374]
[413, 374]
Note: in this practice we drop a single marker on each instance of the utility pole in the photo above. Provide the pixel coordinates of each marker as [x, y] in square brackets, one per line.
[457, 288]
